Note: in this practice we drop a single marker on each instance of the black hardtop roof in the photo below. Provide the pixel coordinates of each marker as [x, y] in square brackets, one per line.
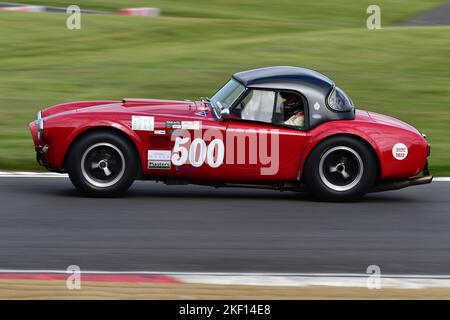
[273, 76]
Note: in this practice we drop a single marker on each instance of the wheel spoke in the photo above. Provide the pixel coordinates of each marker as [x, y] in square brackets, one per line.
[107, 171]
[333, 169]
[95, 165]
[345, 174]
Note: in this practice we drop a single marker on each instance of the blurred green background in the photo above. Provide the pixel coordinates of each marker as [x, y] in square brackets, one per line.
[196, 45]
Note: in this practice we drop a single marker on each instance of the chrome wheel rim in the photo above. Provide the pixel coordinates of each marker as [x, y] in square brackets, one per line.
[341, 168]
[103, 165]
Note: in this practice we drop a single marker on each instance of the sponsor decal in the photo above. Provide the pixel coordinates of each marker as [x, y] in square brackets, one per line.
[160, 131]
[400, 151]
[185, 125]
[159, 155]
[316, 106]
[190, 125]
[142, 123]
[159, 159]
[202, 113]
[173, 124]
[316, 116]
[154, 164]
[177, 132]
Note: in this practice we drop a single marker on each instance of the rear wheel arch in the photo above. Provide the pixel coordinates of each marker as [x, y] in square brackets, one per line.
[340, 168]
[353, 136]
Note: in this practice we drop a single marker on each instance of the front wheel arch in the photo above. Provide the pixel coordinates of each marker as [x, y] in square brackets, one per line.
[106, 130]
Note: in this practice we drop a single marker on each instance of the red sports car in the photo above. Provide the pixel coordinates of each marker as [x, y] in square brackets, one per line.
[285, 128]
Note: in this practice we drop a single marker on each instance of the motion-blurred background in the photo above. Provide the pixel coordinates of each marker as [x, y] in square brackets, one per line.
[194, 46]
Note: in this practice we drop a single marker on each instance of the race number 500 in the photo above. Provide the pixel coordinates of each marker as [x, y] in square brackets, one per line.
[198, 152]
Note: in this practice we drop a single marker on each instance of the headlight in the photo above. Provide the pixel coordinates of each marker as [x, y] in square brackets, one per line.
[40, 124]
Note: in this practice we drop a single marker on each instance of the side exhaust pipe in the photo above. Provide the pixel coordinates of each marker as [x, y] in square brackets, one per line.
[400, 184]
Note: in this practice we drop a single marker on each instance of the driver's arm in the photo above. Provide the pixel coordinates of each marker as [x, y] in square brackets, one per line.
[297, 120]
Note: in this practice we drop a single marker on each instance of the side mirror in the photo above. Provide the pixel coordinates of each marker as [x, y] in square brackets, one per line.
[225, 112]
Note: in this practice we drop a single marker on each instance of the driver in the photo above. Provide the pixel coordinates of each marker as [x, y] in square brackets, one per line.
[293, 109]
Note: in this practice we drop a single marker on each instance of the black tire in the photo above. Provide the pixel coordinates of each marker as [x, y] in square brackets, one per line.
[102, 164]
[340, 169]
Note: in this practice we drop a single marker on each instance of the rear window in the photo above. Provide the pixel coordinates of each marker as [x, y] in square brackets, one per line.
[338, 100]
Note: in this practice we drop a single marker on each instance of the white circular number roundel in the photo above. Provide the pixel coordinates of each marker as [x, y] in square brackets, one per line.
[198, 152]
[400, 151]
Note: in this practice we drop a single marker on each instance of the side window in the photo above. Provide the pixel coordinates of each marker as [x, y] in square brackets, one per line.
[289, 109]
[284, 108]
[258, 106]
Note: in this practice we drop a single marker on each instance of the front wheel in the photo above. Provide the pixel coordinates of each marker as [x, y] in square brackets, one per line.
[102, 164]
[340, 169]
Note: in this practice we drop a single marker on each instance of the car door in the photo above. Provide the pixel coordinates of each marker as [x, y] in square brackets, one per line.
[259, 146]
[198, 149]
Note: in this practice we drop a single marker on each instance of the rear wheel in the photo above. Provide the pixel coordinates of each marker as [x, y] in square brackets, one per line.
[102, 164]
[340, 169]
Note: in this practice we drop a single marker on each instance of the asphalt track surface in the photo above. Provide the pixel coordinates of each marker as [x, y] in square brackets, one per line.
[435, 17]
[45, 224]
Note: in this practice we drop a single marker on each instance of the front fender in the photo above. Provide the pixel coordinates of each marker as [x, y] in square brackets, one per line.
[75, 127]
[70, 106]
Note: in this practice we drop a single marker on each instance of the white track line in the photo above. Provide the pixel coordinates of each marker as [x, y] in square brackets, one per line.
[302, 281]
[280, 279]
[441, 179]
[28, 174]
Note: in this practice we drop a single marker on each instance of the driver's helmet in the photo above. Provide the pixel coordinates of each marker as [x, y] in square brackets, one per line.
[292, 104]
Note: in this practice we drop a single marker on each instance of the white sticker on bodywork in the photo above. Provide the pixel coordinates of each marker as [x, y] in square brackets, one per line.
[190, 125]
[155, 164]
[316, 106]
[160, 131]
[400, 151]
[142, 123]
[159, 155]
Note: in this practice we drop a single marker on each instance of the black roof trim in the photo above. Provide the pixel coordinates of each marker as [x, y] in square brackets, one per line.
[283, 74]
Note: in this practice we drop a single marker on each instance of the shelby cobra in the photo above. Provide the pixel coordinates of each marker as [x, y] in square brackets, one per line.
[285, 128]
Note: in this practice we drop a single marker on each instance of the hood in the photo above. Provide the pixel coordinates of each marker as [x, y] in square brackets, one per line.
[132, 102]
[160, 106]
[138, 105]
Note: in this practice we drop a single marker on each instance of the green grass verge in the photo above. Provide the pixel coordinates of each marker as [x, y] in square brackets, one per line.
[402, 72]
